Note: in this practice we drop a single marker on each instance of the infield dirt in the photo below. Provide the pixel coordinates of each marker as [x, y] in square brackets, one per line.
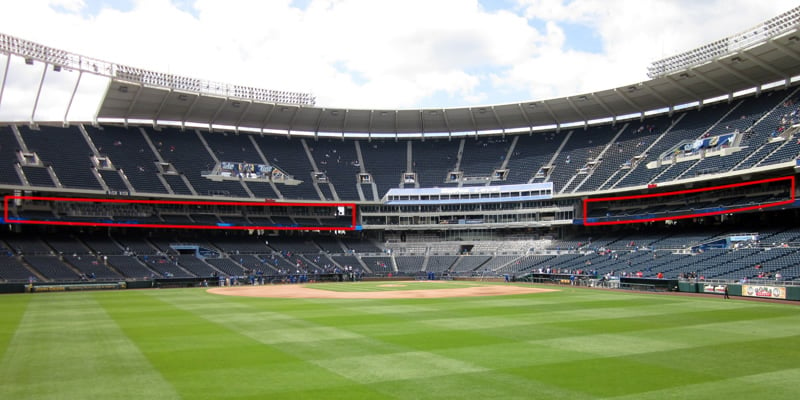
[304, 292]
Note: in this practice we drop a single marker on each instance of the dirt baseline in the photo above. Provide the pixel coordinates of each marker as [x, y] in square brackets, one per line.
[302, 292]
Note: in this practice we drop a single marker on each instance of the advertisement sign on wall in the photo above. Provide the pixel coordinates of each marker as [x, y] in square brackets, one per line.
[772, 292]
[719, 289]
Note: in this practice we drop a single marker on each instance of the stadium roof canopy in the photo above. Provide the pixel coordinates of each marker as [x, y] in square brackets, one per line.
[775, 60]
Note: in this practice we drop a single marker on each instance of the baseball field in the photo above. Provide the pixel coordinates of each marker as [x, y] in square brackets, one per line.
[571, 343]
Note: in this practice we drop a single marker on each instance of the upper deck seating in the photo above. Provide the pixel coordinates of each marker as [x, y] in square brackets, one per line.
[67, 151]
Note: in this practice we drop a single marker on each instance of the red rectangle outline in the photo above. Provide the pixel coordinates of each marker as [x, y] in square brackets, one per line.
[733, 185]
[134, 201]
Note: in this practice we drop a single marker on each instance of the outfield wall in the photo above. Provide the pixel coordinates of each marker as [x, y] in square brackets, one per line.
[765, 291]
[760, 290]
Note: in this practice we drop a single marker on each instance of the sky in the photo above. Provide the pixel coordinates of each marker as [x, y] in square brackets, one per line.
[373, 54]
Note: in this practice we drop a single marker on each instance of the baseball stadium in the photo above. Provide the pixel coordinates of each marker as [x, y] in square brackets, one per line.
[205, 240]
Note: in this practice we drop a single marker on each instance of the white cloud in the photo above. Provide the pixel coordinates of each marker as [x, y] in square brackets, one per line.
[634, 34]
[73, 6]
[380, 53]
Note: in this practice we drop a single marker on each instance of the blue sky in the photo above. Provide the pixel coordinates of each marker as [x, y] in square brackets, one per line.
[382, 53]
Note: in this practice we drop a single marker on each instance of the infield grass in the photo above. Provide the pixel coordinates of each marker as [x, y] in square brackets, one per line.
[570, 344]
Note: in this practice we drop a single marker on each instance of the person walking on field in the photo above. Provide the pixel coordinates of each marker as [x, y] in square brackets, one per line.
[725, 291]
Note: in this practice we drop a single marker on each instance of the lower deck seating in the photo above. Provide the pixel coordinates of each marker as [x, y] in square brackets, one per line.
[12, 270]
[673, 252]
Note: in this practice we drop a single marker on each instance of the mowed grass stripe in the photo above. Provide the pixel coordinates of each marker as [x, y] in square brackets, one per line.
[470, 314]
[245, 317]
[489, 335]
[565, 336]
[481, 385]
[324, 346]
[367, 360]
[11, 313]
[774, 330]
[467, 313]
[533, 304]
[780, 384]
[652, 320]
[733, 359]
[371, 368]
[67, 347]
[566, 344]
[609, 377]
[653, 325]
[427, 339]
[208, 358]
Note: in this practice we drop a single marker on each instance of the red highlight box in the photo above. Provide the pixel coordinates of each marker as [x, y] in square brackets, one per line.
[789, 179]
[14, 220]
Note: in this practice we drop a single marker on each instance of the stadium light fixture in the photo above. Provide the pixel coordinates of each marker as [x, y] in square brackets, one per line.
[759, 33]
[31, 52]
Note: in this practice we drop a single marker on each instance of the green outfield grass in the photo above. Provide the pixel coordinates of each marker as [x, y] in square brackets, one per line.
[570, 344]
